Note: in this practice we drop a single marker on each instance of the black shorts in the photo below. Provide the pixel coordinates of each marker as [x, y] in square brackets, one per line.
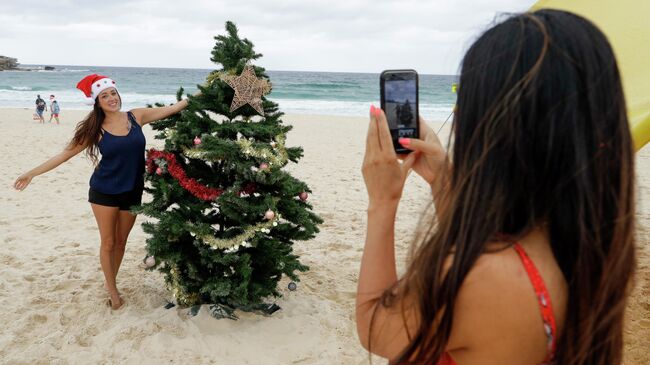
[122, 200]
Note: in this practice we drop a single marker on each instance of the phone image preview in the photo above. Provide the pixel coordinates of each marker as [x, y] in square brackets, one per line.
[399, 100]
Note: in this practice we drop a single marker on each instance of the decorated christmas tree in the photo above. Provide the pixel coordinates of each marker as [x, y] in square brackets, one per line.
[226, 214]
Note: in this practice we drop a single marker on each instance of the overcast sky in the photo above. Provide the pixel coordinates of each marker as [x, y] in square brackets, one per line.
[297, 35]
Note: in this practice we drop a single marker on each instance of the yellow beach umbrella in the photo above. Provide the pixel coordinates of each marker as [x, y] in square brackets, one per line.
[627, 26]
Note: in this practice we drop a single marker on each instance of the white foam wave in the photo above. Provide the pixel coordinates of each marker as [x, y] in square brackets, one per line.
[432, 112]
[72, 99]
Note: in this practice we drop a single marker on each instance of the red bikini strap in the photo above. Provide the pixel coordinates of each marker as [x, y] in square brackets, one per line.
[544, 300]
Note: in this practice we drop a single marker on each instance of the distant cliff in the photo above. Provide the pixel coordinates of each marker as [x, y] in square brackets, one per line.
[8, 63]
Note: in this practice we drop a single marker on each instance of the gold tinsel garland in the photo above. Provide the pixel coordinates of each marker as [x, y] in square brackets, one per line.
[229, 245]
[234, 243]
[276, 155]
[275, 159]
[182, 298]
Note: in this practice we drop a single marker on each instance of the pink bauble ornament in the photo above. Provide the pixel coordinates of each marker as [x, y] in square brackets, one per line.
[264, 166]
[150, 261]
[269, 214]
[159, 171]
[303, 196]
[197, 141]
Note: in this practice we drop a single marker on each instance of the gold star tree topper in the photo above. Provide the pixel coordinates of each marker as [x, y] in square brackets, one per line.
[248, 89]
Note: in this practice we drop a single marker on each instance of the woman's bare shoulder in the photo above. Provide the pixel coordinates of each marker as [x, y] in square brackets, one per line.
[497, 309]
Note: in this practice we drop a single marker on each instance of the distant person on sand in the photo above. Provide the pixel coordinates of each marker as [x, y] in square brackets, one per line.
[54, 109]
[530, 255]
[117, 182]
[41, 106]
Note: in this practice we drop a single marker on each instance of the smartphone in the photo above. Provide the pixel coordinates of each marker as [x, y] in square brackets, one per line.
[399, 100]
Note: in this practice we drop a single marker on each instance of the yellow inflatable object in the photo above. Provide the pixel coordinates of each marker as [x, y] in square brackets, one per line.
[641, 133]
[627, 26]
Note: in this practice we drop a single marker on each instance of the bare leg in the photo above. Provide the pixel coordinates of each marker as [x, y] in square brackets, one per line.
[106, 218]
[125, 221]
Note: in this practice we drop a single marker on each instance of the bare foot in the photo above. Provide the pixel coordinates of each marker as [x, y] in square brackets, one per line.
[115, 302]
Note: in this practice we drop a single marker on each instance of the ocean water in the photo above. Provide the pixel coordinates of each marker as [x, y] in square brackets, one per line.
[326, 93]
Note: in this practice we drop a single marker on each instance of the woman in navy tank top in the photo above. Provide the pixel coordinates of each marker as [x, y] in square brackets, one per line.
[118, 180]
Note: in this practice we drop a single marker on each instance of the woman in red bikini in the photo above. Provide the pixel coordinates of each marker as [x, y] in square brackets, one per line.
[530, 257]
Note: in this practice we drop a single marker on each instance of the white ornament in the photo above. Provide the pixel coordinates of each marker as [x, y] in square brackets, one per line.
[150, 261]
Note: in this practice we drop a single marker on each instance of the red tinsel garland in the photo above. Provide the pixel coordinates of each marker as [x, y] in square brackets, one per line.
[194, 187]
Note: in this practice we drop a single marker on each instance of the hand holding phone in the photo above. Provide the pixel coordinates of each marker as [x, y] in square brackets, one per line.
[399, 100]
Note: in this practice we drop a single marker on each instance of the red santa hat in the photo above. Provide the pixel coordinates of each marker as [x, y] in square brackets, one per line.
[93, 85]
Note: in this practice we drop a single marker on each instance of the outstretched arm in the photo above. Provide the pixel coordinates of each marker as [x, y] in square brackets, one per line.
[23, 180]
[148, 115]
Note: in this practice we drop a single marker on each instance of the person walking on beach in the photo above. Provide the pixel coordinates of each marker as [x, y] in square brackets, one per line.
[118, 180]
[41, 106]
[530, 256]
[54, 109]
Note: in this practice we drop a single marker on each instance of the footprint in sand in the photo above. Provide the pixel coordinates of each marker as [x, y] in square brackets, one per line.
[68, 314]
[29, 278]
[9, 260]
[41, 227]
[85, 338]
[36, 319]
[40, 300]
[66, 285]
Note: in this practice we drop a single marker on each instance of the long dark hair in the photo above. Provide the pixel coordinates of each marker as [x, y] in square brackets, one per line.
[89, 130]
[540, 137]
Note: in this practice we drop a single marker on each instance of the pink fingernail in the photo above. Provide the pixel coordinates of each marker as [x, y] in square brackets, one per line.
[404, 141]
[377, 112]
[372, 109]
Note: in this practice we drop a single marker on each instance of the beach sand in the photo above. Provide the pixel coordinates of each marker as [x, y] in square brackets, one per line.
[52, 299]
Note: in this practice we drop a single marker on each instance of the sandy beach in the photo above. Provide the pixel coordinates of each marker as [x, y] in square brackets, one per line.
[52, 299]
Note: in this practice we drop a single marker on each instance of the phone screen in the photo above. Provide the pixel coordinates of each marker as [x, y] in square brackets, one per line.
[400, 103]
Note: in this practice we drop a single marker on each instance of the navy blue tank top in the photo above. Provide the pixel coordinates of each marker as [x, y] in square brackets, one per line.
[121, 168]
